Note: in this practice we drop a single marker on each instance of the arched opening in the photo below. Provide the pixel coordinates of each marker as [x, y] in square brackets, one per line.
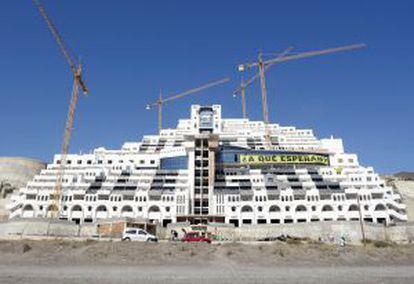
[300, 208]
[380, 207]
[247, 208]
[51, 210]
[154, 214]
[28, 207]
[127, 211]
[101, 208]
[154, 208]
[102, 212]
[28, 211]
[126, 208]
[353, 207]
[327, 208]
[76, 213]
[76, 208]
[247, 214]
[274, 208]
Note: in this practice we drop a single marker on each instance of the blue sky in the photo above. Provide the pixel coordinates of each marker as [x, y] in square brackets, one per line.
[131, 49]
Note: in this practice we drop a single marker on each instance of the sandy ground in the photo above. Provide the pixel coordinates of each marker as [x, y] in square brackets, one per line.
[116, 262]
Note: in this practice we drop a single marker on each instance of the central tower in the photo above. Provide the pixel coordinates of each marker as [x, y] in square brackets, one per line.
[206, 123]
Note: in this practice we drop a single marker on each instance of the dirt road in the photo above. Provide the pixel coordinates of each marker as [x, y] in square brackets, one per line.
[105, 262]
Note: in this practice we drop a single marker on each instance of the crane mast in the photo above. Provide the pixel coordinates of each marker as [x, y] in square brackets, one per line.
[261, 74]
[78, 83]
[263, 88]
[264, 65]
[161, 101]
[243, 98]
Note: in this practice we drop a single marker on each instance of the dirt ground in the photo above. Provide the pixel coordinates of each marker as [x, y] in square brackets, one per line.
[28, 261]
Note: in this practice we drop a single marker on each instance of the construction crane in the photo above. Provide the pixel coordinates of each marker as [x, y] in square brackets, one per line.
[161, 101]
[244, 84]
[264, 65]
[78, 84]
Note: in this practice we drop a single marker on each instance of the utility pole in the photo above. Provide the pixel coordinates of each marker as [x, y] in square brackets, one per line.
[361, 222]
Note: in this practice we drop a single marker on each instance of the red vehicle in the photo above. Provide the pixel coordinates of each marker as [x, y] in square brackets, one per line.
[195, 237]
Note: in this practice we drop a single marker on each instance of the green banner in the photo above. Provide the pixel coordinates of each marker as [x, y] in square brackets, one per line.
[258, 159]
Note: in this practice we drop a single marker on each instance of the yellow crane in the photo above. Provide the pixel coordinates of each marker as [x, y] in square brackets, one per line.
[264, 65]
[78, 84]
[161, 101]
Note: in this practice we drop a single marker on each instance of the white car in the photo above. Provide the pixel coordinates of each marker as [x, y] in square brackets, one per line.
[136, 234]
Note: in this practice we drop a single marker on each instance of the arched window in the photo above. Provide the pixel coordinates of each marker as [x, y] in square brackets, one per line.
[52, 207]
[353, 207]
[77, 208]
[28, 207]
[380, 207]
[274, 208]
[327, 208]
[101, 208]
[247, 208]
[126, 208]
[154, 208]
[300, 208]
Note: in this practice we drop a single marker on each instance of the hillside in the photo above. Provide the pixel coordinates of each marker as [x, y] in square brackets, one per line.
[405, 175]
[15, 172]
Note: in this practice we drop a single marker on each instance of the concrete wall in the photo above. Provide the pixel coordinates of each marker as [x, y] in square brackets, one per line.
[44, 227]
[329, 232]
[324, 231]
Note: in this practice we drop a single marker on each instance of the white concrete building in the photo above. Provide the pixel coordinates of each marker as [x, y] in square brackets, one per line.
[211, 169]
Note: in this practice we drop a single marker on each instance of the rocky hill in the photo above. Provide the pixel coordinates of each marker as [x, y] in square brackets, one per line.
[404, 184]
[405, 175]
[15, 172]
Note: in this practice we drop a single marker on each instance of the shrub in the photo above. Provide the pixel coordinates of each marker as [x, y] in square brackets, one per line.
[26, 248]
